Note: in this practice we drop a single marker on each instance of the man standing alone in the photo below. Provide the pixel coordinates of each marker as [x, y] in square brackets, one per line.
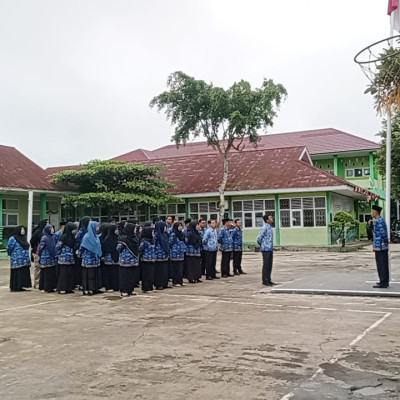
[266, 241]
[381, 247]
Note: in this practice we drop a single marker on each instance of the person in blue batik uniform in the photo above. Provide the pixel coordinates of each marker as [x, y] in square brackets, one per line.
[193, 253]
[147, 258]
[58, 234]
[202, 231]
[111, 256]
[177, 254]
[66, 247]
[47, 252]
[225, 240]
[161, 241]
[83, 226]
[90, 252]
[210, 246]
[20, 262]
[129, 270]
[381, 248]
[266, 241]
[237, 238]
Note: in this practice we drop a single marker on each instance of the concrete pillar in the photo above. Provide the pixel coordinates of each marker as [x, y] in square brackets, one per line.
[1, 218]
[30, 214]
[371, 170]
[328, 215]
[277, 222]
[336, 165]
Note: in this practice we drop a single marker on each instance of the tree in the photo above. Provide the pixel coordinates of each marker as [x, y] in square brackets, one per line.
[114, 184]
[381, 154]
[343, 222]
[223, 117]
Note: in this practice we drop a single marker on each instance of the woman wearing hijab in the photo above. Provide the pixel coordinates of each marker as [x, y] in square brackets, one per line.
[83, 228]
[35, 240]
[90, 251]
[111, 255]
[121, 226]
[193, 253]
[161, 242]
[147, 259]
[129, 271]
[47, 252]
[66, 247]
[177, 254]
[102, 236]
[20, 262]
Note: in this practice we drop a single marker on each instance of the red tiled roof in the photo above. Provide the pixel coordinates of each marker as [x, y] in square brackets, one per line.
[319, 141]
[18, 171]
[259, 169]
[52, 170]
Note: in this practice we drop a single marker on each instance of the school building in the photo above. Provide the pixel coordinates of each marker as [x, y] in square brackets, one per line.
[302, 178]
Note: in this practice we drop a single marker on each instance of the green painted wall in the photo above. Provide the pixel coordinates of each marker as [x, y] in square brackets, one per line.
[304, 236]
[250, 235]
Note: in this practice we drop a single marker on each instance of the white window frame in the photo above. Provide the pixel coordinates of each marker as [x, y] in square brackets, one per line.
[253, 212]
[5, 218]
[354, 172]
[179, 216]
[301, 210]
[207, 215]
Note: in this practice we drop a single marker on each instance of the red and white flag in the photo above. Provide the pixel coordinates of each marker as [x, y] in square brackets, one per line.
[394, 12]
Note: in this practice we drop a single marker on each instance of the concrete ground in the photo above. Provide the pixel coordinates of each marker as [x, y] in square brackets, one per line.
[225, 339]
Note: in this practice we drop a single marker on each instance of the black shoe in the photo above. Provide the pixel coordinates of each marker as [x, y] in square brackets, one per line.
[215, 277]
[224, 276]
[380, 286]
[192, 281]
[273, 283]
[230, 275]
[242, 273]
[236, 273]
[160, 288]
[209, 278]
[199, 281]
[267, 284]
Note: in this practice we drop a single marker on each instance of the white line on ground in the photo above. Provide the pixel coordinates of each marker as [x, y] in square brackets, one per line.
[390, 283]
[30, 305]
[335, 358]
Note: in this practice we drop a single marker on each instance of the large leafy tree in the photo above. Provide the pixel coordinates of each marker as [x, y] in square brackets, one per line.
[114, 184]
[381, 154]
[224, 117]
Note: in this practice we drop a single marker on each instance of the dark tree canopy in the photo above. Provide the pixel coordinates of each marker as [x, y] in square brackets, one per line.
[114, 184]
[224, 117]
[381, 155]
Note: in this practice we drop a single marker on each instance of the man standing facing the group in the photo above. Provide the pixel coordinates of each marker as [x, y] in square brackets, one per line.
[266, 241]
[381, 247]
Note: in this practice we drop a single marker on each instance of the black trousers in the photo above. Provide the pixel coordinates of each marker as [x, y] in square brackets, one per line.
[237, 261]
[225, 262]
[161, 274]
[203, 262]
[177, 272]
[211, 261]
[382, 265]
[147, 268]
[193, 264]
[268, 257]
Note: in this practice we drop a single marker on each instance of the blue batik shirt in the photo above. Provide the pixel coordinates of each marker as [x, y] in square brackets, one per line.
[237, 237]
[89, 259]
[381, 240]
[266, 238]
[126, 257]
[178, 248]
[210, 239]
[161, 255]
[147, 251]
[57, 236]
[18, 256]
[65, 254]
[225, 239]
[46, 259]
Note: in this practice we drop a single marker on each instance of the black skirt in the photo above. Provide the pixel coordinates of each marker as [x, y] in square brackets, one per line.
[48, 279]
[177, 272]
[193, 265]
[128, 279]
[20, 278]
[91, 279]
[112, 272]
[161, 274]
[147, 268]
[78, 271]
[66, 277]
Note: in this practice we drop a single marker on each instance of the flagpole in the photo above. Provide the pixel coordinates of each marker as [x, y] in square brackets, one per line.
[389, 158]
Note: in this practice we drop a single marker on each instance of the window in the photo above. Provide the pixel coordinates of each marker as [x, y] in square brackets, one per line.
[357, 172]
[176, 210]
[205, 210]
[10, 204]
[251, 212]
[302, 212]
[365, 217]
[10, 219]
[10, 212]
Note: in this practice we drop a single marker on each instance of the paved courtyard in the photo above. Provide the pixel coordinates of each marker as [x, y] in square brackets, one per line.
[225, 339]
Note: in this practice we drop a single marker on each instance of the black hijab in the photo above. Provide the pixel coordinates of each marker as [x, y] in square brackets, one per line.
[67, 238]
[147, 224]
[179, 234]
[162, 236]
[193, 235]
[147, 233]
[37, 233]
[48, 239]
[130, 239]
[121, 226]
[21, 239]
[84, 223]
[103, 232]
[110, 242]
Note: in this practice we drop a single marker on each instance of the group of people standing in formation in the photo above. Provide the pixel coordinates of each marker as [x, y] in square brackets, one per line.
[118, 256]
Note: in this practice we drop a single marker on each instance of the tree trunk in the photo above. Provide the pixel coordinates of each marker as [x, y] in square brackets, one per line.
[221, 189]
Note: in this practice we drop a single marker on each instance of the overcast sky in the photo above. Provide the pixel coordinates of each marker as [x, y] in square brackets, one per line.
[76, 77]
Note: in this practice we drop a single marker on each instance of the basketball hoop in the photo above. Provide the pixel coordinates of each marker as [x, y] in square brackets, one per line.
[380, 63]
